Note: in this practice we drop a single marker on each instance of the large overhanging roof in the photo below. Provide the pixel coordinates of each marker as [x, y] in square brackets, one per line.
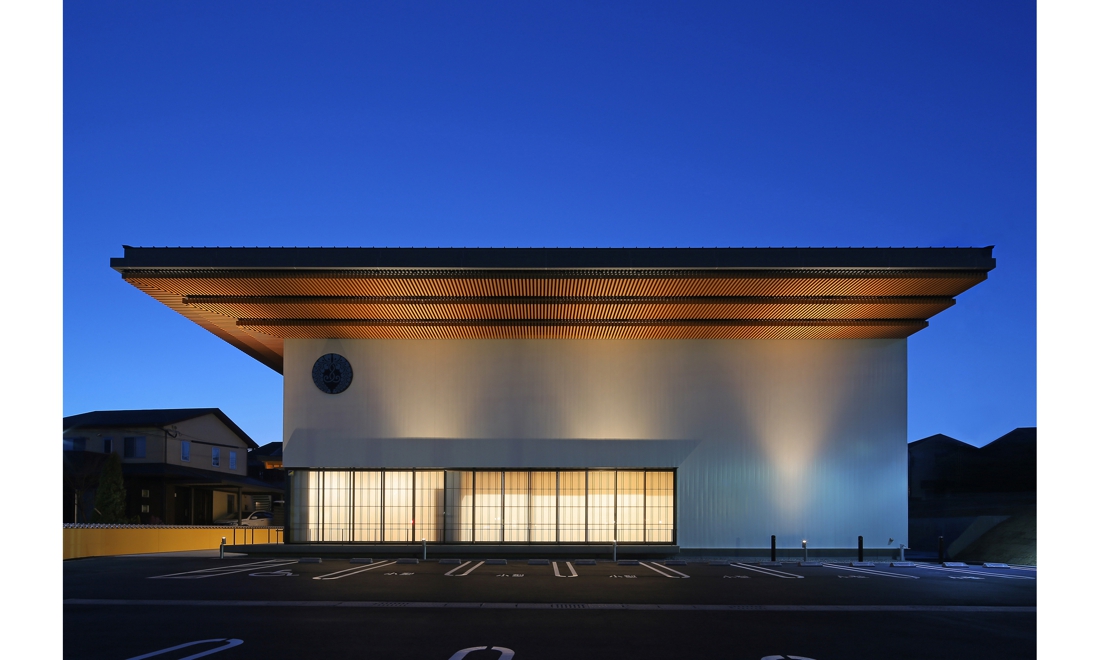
[254, 298]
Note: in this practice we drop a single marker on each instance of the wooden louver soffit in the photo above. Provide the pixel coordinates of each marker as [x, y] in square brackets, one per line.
[255, 307]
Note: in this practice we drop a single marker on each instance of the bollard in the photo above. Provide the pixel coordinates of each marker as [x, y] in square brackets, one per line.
[221, 549]
[773, 547]
[614, 550]
[424, 542]
[903, 552]
[941, 549]
[805, 551]
[861, 548]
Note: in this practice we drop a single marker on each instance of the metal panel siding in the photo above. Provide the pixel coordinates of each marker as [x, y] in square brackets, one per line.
[801, 439]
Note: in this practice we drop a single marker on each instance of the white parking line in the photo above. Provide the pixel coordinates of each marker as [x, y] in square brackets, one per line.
[661, 571]
[353, 570]
[223, 570]
[981, 573]
[667, 570]
[872, 572]
[768, 571]
[229, 643]
[557, 574]
[468, 571]
[448, 573]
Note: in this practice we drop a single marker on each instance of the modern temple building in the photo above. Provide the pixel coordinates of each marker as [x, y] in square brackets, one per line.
[700, 398]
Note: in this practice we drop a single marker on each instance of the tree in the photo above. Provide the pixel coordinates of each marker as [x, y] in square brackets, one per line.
[81, 475]
[110, 497]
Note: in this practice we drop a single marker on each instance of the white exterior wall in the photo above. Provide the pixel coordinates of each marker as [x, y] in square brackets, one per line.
[804, 439]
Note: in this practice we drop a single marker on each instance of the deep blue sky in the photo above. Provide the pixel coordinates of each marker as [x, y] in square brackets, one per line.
[557, 124]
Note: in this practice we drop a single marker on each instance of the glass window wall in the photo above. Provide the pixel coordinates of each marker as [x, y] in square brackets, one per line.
[484, 506]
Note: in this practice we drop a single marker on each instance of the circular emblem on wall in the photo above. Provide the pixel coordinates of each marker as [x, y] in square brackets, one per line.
[332, 373]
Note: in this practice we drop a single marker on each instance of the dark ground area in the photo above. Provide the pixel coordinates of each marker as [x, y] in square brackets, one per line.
[125, 607]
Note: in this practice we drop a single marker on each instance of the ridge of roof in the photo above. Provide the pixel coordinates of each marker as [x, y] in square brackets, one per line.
[155, 417]
[965, 258]
[940, 438]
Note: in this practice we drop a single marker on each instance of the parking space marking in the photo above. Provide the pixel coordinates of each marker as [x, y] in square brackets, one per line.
[768, 571]
[223, 570]
[665, 571]
[468, 571]
[229, 643]
[571, 570]
[456, 568]
[870, 571]
[505, 653]
[969, 572]
[353, 571]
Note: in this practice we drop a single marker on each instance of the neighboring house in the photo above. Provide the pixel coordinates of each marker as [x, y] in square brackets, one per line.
[980, 500]
[266, 463]
[180, 466]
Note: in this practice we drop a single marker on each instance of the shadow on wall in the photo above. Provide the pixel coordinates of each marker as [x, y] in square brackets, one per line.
[980, 500]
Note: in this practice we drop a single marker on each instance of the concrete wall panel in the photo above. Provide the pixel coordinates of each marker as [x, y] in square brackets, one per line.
[800, 438]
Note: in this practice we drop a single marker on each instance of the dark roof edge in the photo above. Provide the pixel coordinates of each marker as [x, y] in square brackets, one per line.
[957, 258]
[155, 418]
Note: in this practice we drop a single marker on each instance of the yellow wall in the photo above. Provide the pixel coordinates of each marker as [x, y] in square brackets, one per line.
[100, 542]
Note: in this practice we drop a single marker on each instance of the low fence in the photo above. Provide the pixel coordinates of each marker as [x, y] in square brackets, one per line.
[106, 540]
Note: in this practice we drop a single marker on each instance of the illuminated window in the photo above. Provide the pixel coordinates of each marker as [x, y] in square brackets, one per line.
[428, 521]
[515, 507]
[485, 506]
[336, 521]
[367, 494]
[630, 506]
[544, 507]
[397, 513]
[572, 506]
[659, 502]
[487, 523]
[601, 506]
[459, 504]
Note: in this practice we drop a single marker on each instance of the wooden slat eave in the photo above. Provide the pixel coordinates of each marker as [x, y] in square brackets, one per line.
[247, 284]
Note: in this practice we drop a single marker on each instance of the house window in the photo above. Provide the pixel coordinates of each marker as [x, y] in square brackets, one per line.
[75, 444]
[145, 508]
[185, 450]
[108, 445]
[215, 456]
[133, 447]
[144, 492]
[232, 460]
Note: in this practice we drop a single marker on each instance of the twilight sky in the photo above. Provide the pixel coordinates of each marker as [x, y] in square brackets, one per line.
[556, 124]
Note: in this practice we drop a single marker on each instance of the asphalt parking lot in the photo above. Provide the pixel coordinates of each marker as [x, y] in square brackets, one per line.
[240, 607]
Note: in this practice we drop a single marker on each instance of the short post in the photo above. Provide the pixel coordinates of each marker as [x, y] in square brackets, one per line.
[773, 547]
[221, 549]
[903, 552]
[941, 549]
[805, 551]
[614, 550]
[424, 542]
[861, 548]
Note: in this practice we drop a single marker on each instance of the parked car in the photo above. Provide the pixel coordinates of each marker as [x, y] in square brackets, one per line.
[254, 519]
